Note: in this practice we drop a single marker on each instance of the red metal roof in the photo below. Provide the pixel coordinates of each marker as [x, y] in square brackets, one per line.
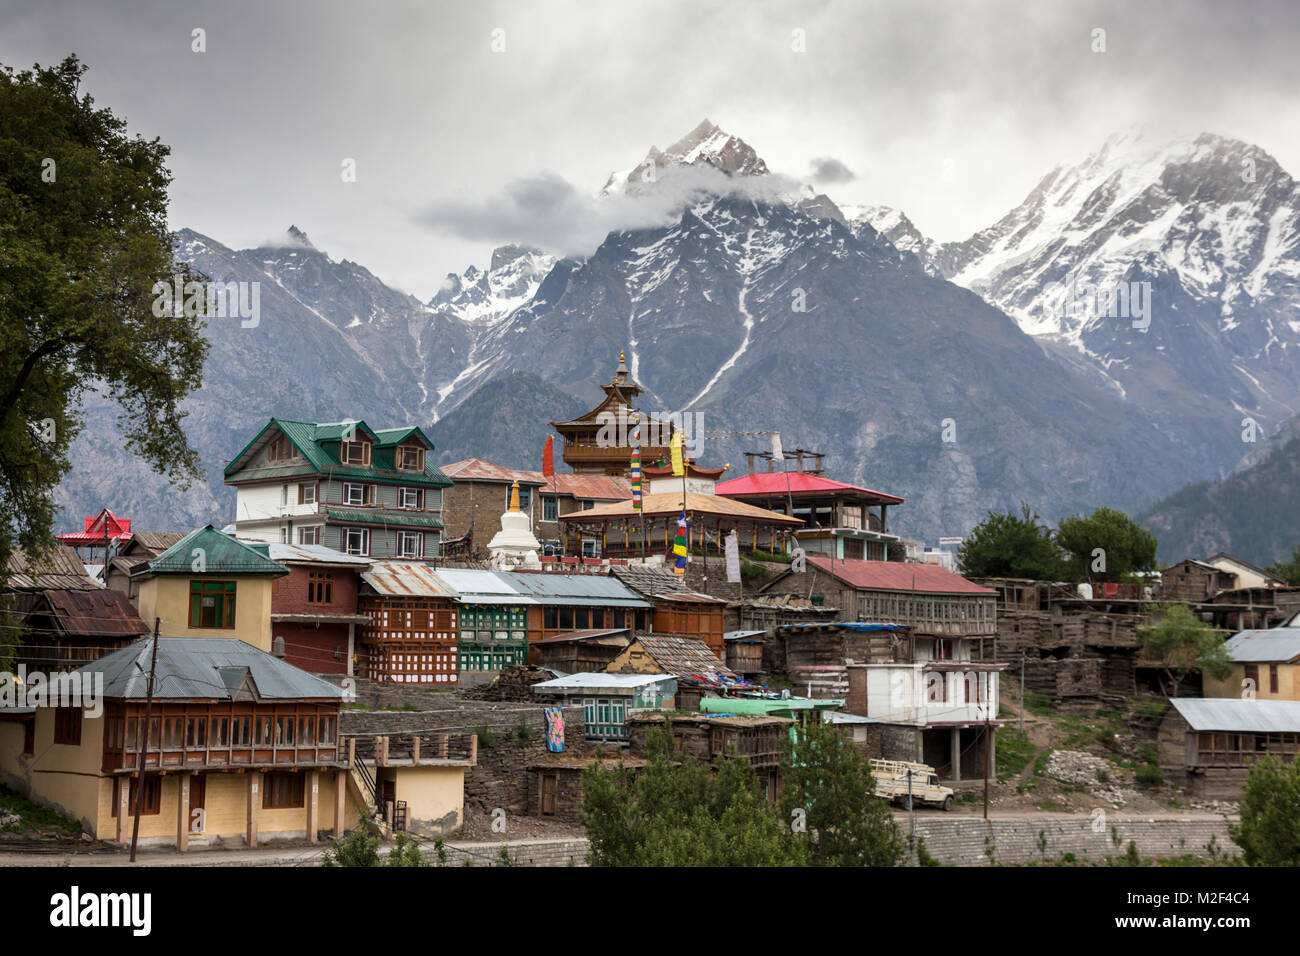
[800, 483]
[897, 576]
[101, 529]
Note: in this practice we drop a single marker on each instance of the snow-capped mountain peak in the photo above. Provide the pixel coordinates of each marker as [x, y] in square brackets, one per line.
[482, 298]
[706, 144]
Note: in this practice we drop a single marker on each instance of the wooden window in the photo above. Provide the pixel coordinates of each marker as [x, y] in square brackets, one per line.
[151, 802]
[550, 508]
[307, 493]
[173, 733]
[284, 728]
[282, 791]
[1252, 675]
[356, 540]
[29, 737]
[262, 727]
[408, 498]
[355, 453]
[212, 604]
[281, 449]
[410, 458]
[327, 730]
[320, 587]
[549, 785]
[1272, 678]
[196, 733]
[67, 726]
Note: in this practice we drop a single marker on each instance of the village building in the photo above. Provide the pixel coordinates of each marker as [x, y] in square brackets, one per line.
[572, 652]
[210, 585]
[412, 626]
[1265, 665]
[658, 479]
[314, 614]
[241, 746]
[372, 493]
[58, 616]
[142, 547]
[101, 537]
[620, 529]
[757, 738]
[690, 660]
[1192, 581]
[937, 605]
[677, 609]
[838, 520]
[481, 491]
[608, 699]
[744, 653]
[930, 698]
[555, 783]
[416, 780]
[600, 442]
[1244, 574]
[1208, 745]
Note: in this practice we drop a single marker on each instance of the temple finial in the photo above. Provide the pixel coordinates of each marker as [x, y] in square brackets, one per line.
[514, 495]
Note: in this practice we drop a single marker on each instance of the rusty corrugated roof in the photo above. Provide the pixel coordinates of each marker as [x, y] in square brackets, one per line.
[102, 613]
[596, 487]
[407, 579]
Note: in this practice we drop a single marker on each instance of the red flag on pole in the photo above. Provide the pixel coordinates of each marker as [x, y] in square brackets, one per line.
[548, 457]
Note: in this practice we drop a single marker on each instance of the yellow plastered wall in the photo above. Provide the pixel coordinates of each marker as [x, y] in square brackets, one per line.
[13, 769]
[64, 776]
[225, 806]
[167, 597]
[1288, 683]
[434, 795]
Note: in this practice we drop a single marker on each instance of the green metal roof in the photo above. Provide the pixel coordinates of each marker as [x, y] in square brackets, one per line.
[768, 706]
[318, 445]
[221, 554]
[397, 519]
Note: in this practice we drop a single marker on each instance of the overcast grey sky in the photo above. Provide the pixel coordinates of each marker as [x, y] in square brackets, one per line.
[888, 92]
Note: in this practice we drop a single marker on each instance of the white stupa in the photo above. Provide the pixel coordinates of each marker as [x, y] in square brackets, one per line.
[515, 545]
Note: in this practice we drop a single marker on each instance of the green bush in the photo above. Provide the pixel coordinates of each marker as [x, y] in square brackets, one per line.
[1149, 775]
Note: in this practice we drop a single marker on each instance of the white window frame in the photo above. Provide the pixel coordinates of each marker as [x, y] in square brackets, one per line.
[402, 492]
[403, 537]
[316, 534]
[346, 547]
[348, 488]
[307, 492]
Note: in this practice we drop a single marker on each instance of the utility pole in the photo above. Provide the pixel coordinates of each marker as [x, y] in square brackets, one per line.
[144, 748]
[1022, 693]
[987, 752]
[911, 820]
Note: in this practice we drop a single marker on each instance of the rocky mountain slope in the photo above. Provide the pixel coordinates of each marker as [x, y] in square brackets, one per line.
[758, 306]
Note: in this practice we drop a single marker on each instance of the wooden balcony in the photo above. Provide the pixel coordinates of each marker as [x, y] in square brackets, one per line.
[411, 750]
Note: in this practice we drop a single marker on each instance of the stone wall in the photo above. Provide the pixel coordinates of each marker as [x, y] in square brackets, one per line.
[512, 736]
[522, 853]
[961, 840]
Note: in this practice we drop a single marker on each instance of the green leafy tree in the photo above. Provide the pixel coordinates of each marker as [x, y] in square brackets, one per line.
[1269, 831]
[1288, 571]
[1106, 545]
[360, 847]
[83, 240]
[1010, 545]
[1182, 643]
[405, 852]
[829, 788]
[682, 813]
